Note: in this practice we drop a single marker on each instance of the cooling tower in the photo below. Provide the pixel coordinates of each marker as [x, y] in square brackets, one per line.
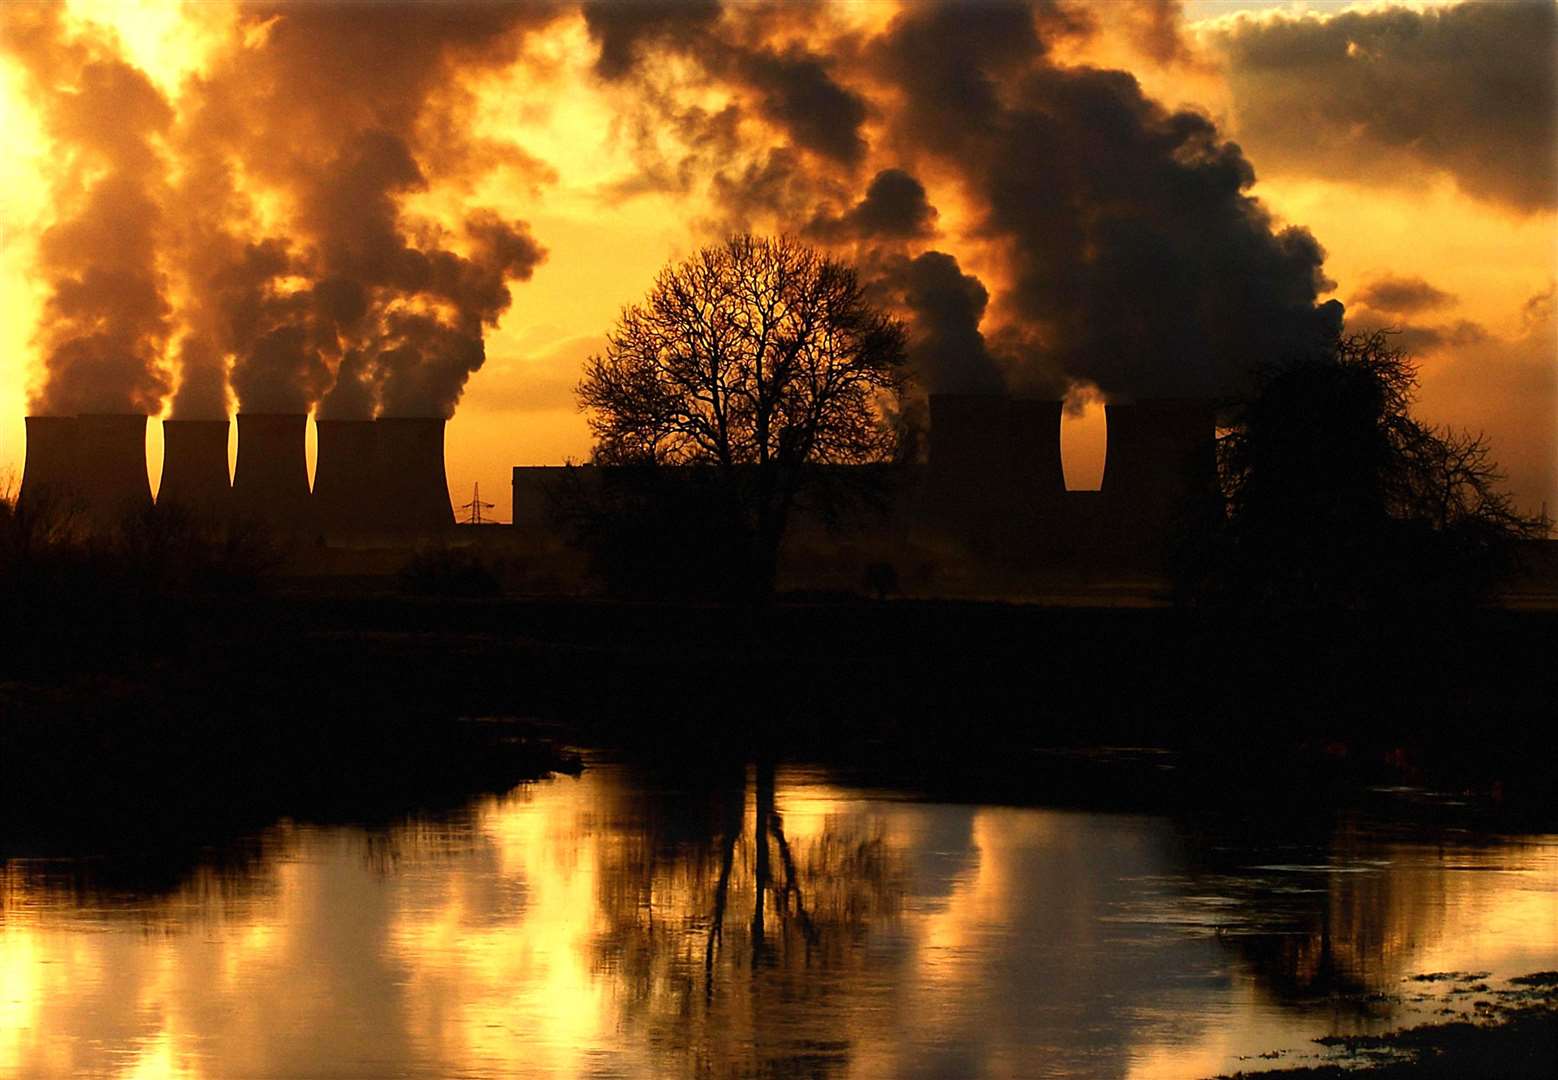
[347, 477]
[49, 475]
[194, 467]
[1033, 449]
[270, 482]
[412, 494]
[111, 465]
[1158, 451]
[967, 437]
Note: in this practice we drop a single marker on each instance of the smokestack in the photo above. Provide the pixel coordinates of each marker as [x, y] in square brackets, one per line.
[194, 467]
[111, 465]
[346, 476]
[270, 483]
[413, 492]
[49, 475]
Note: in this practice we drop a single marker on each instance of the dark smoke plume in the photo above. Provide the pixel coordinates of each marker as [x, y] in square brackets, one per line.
[945, 306]
[106, 320]
[894, 207]
[789, 85]
[1136, 257]
[1131, 256]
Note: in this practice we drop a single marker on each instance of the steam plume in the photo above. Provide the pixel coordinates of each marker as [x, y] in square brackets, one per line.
[106, 319]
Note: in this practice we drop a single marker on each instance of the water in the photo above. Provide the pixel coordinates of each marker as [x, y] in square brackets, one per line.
[566, 930]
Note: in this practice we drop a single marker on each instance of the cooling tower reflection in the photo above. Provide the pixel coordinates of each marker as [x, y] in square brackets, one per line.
[753, 922]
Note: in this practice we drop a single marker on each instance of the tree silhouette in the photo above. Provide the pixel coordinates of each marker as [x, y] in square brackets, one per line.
[1336, 496]
[756, 361]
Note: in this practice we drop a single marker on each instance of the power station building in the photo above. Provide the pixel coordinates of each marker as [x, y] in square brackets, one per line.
[376, 481]
[991, 492]
[993, 487]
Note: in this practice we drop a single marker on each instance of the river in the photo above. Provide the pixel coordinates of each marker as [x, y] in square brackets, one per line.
[628, 923]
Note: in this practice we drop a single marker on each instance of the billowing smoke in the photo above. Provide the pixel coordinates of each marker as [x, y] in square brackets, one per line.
[1137, 260]
[346, 111]
[252, 234]
[1125, 250]
[944, 306]
[894, 208]
[106, 319]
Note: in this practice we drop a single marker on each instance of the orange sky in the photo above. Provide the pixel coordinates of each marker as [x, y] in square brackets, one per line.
[583, 143]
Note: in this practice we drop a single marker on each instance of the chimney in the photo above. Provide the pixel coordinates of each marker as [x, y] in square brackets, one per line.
[412, 494]
[194, 467]
[346, 476]
[270, 482]
[49, 475]
[111, 465]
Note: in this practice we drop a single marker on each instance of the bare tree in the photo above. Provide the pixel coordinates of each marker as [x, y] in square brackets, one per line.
[757, 359]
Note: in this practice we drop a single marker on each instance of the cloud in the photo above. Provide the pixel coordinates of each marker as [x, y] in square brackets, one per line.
[1470, 90]
[1401, 295]
[1505, 387]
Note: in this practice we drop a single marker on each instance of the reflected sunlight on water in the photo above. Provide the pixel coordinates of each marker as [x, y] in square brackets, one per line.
[628, 924]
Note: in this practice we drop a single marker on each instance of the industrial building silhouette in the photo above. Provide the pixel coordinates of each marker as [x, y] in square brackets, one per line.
[376, 480]
[992, 484]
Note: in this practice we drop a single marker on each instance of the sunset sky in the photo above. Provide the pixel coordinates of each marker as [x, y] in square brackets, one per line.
[414, 210]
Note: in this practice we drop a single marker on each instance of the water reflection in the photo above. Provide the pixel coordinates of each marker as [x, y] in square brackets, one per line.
[752, 923]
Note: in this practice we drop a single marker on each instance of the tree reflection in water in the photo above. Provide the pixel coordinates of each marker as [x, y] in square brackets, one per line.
[727, 940]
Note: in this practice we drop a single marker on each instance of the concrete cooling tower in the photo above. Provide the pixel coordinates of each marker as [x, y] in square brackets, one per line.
[412, 494]
[1158, 451]
[270, 482]
[49, 475]
[111, 465]
[994, 461]
[194, 467]
[346, 477]
[1033, 449]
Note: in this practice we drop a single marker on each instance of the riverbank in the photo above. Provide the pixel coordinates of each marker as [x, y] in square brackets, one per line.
[1513, 1036]
[171, 713]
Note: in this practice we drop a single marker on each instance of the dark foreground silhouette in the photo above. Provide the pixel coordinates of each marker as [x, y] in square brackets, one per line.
[1511, 1040]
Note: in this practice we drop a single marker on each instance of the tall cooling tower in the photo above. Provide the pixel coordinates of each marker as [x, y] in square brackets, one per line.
[1158, 451]
[194, 467]
[346, 476]
[111, 465]
[270, 482]
[967, 436]
[1033, 449]
[412, 494]
[49, 476]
